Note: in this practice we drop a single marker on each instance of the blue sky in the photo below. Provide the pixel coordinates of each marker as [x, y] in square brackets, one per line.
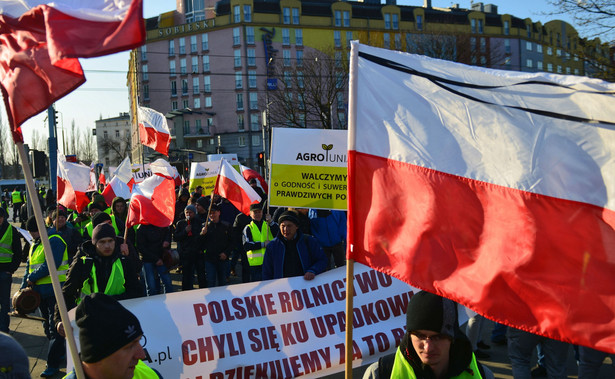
[105, 94]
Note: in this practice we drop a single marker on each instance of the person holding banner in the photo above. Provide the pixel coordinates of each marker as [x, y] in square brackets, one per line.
[256, 236]
[110, 340]
[217, 244]
[292, 253]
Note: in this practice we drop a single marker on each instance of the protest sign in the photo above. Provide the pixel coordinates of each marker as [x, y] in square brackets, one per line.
[278, 328]
[204, 174]
[308, 168]
[140, 172]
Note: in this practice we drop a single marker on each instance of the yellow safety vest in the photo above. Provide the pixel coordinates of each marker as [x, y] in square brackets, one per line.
[16, 197]
[403, 369]
[89, 228]
[6, 251]
[115, 285]
[141, 371]
[255, 257]
[114, 223]
[37, 258]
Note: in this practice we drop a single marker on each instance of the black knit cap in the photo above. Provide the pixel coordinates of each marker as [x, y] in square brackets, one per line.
[99, 218]
[105, 326]
[102, 231]
[289, 216]
[256, 207]
[427, 311]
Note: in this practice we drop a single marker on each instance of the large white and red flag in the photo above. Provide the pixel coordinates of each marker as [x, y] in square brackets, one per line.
[232, 186]
[153, 200]
[121, 183]
[249, 173]
[73, 182]
[40, 41]
[492, 188]
[153, 130]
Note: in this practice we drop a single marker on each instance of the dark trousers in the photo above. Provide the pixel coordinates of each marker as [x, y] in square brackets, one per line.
[57, 344]
[191, 262]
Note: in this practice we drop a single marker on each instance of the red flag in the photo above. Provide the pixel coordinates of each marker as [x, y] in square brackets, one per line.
[249, 173]
[153, 200]
[491, 188]
[121, 183]
[73, 181]
[101, 179]
[232, 186]
[40, 41]
[153, 130]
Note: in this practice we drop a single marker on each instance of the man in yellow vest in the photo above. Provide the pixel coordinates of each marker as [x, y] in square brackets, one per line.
[10, 258]
[17, 201]
[37, 277]
[256, 236]
[109, 337]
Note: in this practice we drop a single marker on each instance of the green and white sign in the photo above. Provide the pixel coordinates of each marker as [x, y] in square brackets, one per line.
[204, 174]
[309, 168]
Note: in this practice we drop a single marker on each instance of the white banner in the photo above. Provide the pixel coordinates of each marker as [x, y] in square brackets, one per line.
[141, 172]
[278, 328]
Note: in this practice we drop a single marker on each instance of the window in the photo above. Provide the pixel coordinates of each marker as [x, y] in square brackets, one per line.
[117, 134]
[301, 101]
[576, 71]
[395, 21]
[539, 48]
[296, 16]
[250, 35]
[338, 18]
[206, 63]
[240, 123]
[528, 63]
[340, 100]
[174, 105]
[285, 37]
[237, 13]
[549, 50]
[144, 52]
[197, 103]
[473, 25]
[195, 86]
[483, 45]
[173, 88]
[337, 38]
[299, 58]
[241, 140]
[236, 36]
[238, 80]
[528, 46]
[253, 101]
[237, 60]
[299, 37]
[252, 79]
[195, 65]
[539, 65]
[507, 46]
[251, 57]
[558, 52]
[550, 67]
[193, 48]
[338, 58]
[185, 104]
[480, 26]
[387, 21]
[302, 120]
[287, 79]
[559, 69]
[256, 140]
[186, 127]
[247, 13]
[199, 144]
[207, 83]
[286, 16]
[506, 28]
[182, 45]
[528, 30]
[145, 92]
[171, 47]
[204, 41]
[184, 86]
[254, 122]
[286, 57]
[483, 60]
[239, 101]
[182, 66]
[300, 82]
[172, 68]
[348, 39]
[144, 73]
[208, 102]
[397, 41]
[386, 40]
[419, 22]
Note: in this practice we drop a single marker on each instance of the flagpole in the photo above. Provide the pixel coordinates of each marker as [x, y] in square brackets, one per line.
[53, 271]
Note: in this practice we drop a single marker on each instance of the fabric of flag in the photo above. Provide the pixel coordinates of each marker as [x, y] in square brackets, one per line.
[249, 173]
[232, 186]
[40, 41]
[121, 183]
[493, 188]
[153, 200]
[153, 130]
[73, 180]
[101, 179]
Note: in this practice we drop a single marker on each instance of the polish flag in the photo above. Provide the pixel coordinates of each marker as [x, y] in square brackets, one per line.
[121, 183]
[73, 182]
[492, 188]
[153, 200]
[153, 130]
[232, 186]
[41, 40]
[249, 173]
[101, 179]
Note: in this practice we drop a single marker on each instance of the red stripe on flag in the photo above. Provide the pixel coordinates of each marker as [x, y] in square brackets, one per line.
[446, 234]
[233, 192]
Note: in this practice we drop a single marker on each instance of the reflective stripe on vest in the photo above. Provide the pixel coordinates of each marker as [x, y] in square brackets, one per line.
[403, 369]
[6, 253]
[16, 197]
[115, 284]
[89, 228]
[255, 257]
[37, 258]
[144, 371]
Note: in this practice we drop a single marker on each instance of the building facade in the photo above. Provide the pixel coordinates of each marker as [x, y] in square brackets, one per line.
[215, 69]
[113, 139]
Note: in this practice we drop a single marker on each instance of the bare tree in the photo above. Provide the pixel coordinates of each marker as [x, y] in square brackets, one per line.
[74, 137]
[86, 150]
[310, 90]
[121, 147]
[596, 18]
